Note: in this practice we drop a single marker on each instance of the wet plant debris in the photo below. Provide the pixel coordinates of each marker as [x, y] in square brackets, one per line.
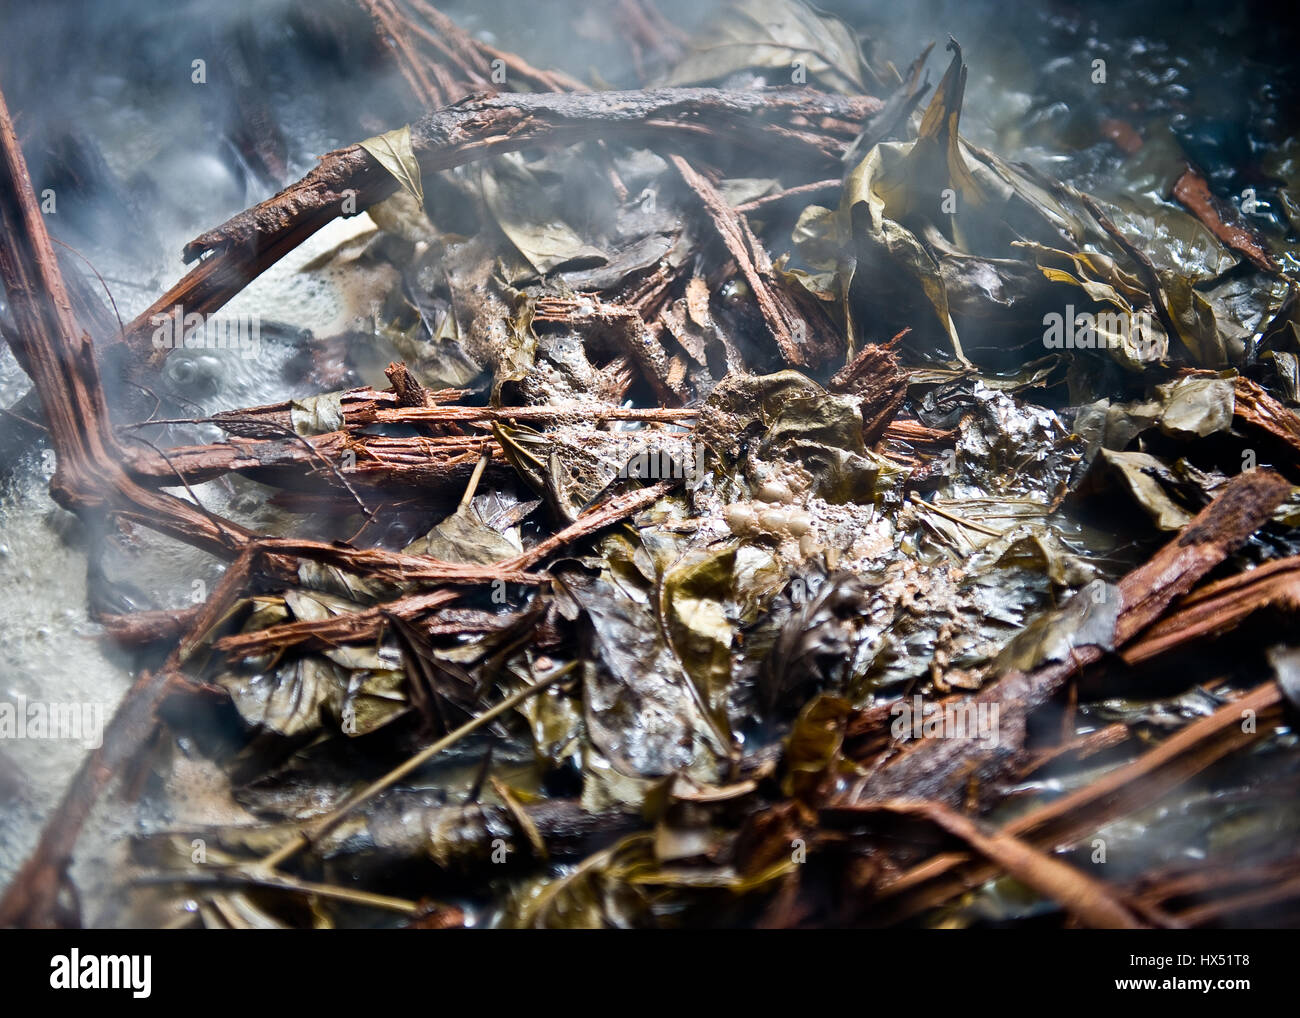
[755, 474]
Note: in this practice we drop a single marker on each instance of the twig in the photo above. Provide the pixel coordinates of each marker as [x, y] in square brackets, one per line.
[1065, 820]
[314, 831]
[816, 187]
[1088, 899]
[281, 882]
[800, 340]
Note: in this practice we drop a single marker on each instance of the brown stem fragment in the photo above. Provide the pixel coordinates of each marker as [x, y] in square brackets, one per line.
[59, 357]
[1074, 816]
[1260, 414]
[32, 899]
[1219, 607]
[629, 331]
[1224, 221]
[802, 338]
[875, 375]
[1087, 899]
[142, 628]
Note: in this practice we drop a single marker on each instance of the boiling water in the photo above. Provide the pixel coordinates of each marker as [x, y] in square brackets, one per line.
[156, 131]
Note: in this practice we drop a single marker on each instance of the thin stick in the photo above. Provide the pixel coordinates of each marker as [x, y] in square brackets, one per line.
[286, 883]
[769, 199]
[958, 520]
[313, 832]
[475, 477]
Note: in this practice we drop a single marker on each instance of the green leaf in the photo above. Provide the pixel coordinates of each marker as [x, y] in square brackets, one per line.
[693, 601]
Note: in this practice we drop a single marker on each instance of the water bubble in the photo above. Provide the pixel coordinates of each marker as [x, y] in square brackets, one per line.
[195, 373]
[734, 292]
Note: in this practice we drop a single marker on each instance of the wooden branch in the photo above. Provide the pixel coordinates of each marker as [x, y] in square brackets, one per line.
[1258, 413]
[59, 357]
[786, 121]
[438, 460]
[366, 460]
[1089, 900]
[801, 191]
[1216, 889]
[369, 625]
[474, 59]
[593, 415]
[139, 629]
[353, 627]
[431, 84]
[1220, 607]
[32, 898]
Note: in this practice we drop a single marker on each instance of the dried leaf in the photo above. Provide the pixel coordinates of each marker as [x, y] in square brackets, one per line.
[394, 153]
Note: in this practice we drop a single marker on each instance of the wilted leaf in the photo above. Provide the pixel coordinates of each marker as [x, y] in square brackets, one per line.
[693, 603]
[1013, 448]
[1139, 471]
[375, 696]
[1196, 407]
[640, 708]
[291, 699]
[825, 644]
[524, 211]
[812, 751]
[1128, 330]
[788, 417]
[317, 415]
[331, 579]
[465, 536]
[776, 35]
[1087, 619]
[393, 152]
